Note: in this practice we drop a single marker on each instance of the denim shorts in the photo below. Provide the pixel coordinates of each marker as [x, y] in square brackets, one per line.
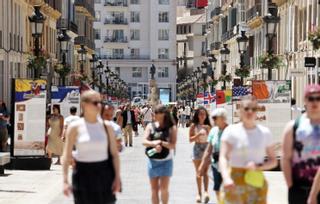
[198, 150]
[158, 168]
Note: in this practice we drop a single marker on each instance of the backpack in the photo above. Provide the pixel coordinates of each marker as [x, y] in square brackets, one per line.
[298, 146]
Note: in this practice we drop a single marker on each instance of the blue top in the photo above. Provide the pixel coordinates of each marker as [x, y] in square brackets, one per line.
[214, 138]
[3, 122]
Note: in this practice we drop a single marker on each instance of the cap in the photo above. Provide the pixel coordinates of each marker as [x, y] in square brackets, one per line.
[312, 88]
[219, 112]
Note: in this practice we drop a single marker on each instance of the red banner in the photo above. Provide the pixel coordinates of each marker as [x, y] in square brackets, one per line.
[201, 3]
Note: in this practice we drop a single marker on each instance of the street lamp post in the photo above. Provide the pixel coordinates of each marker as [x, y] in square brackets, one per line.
[271, 22]
[224, 51]
[242, 49]
[198, 73]
[100, 68]
[82, 58]
[93, 72]
[107, 73]
[37, 20]
[64, 39]
[204, 67]
[213, 61]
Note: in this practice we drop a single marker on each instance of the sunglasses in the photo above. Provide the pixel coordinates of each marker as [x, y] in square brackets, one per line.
[253, 109]
[314, 98]
[214, 118]
[95, 103]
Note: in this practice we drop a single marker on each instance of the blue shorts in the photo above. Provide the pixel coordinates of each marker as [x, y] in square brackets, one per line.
[217, 179]
[160, 168]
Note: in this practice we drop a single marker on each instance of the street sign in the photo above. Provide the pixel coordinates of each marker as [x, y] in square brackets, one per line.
[310, 61]
[297, 72]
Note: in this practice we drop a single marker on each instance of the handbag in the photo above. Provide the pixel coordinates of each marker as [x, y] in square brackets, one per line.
[254, 178]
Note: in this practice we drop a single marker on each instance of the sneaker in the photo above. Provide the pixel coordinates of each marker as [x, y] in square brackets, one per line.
[206, 198]
[198, 199]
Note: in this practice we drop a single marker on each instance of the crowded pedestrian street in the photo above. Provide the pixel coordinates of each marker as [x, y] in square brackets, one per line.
[20, 187]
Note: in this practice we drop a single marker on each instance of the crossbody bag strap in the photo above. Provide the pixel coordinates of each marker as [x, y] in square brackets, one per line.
[108, 138]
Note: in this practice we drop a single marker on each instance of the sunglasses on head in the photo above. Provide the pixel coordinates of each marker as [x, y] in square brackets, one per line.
[314, 98]
[253, 109]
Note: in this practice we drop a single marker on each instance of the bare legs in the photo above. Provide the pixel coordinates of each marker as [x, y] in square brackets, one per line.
[204, 178]
[160, 184]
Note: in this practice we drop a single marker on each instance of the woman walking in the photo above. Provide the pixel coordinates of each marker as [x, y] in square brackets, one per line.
[96, 175]
[160, 140]
[244, 147]
[55, 133]
[198, 134]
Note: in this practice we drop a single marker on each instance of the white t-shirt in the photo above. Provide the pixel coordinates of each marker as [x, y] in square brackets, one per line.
[248, 145]
[147, 112]
[129, 117]
[187, 110]
[117, 130]
[70, 119]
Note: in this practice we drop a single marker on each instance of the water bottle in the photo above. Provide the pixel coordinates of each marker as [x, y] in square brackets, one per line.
[151, 152]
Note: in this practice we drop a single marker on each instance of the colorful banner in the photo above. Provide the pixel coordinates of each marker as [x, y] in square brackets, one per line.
[29, 117]
[224, 100]
[272, 91]
[200, 99]
[66, 97]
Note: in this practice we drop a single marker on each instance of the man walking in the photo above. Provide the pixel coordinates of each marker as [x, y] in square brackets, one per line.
[71, 118]
[128, 125]
[147, 115]
[301, 155]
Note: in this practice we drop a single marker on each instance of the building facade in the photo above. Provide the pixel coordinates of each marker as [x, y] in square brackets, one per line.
[16, 42]
[131, 35]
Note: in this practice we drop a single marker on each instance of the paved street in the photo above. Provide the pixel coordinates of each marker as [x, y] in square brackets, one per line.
[44, 187]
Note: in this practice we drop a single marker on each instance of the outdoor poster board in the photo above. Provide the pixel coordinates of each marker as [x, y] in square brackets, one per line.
[224, 100]
[66, 97]
[274, 99]
[29, 117]
[237, 93]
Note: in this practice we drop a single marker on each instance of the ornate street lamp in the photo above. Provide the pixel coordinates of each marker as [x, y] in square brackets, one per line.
[242, 48]
[64, 39]
[224, 52]
[107, 74]
[82, 58]
[93, 71]
[271, 22]
[36, 21]
[213, 63]
[100, 67]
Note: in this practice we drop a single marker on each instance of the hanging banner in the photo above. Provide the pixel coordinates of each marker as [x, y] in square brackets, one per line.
[224, 101]
[237, 93]
[66, 97]
[29, 117]
[200, 100]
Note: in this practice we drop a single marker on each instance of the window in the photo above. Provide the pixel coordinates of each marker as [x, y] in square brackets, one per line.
[163, 53]
[117, 70]
[163, 34]
[98, 52]
[97, 34]
[135, 17]
[163, 72]
[134, 53]
[164, 2]
[136, 72]
[117, 53]
[203, 49]
[97, 1]
[135, 34]
[163, 17]
[204, 28]
[98, 15]
[134, 1]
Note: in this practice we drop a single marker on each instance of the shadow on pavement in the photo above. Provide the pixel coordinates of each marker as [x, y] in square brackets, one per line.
[16, 191]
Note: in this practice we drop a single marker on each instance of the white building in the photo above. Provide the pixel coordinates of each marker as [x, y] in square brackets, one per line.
[131, 35]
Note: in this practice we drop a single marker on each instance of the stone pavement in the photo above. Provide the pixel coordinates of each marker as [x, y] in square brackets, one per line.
[44, 187]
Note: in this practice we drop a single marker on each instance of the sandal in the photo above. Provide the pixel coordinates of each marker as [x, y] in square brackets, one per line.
[206, 198]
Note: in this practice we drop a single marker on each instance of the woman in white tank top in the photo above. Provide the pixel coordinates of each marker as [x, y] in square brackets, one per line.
[96, 175]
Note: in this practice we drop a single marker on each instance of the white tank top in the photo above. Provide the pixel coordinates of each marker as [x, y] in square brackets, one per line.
[92, 143]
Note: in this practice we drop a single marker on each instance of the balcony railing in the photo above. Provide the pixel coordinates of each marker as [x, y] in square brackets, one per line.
[82, 40]
[117, 21]
[228, 35]
[254, 12]
[116, 3]
[215, 45]
[86, 4]
[64, 23]
[127, 57]
[215, 12]
[116, 40]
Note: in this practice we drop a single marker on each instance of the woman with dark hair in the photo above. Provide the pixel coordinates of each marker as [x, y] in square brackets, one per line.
[198, 134]
[160, 141]
[55, 143]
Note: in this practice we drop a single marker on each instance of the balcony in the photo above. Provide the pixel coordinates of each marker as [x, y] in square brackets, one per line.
[116, 39]
[228, 35]
[254, 18]
[279, 2]
[215, 12]
[125, 57]
[82, 40]
[116, 21]
[122, 3]
[86, 5]
[66, 24]
[215, 46]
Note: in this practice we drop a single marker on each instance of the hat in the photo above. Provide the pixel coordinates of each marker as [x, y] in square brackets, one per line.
[219, 112]
[312, 88]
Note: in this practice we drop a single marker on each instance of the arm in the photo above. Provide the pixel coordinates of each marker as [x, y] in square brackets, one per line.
[223, 164]
[205, 162]
[173, 139]
[114, 151]
[146, 142]
[67, 156]
[61, 126]
[315, 189]
[192, 136]
[287, 152]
